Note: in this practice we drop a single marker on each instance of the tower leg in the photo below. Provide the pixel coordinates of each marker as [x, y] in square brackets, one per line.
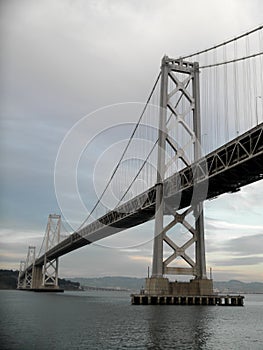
[37, 277]
[200, 243]
[179, 87]
[157, 267]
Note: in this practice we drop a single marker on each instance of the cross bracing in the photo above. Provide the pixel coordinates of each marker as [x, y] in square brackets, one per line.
[236, 164]
[231, 105]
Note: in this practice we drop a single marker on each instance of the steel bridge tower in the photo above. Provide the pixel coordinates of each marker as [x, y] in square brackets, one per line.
[179, 80]
[42, 276]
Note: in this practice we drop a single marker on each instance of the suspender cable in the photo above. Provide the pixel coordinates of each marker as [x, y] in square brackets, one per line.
[123, 154]
[224, 43]
[234, 60]
[226, 95]
[236, 92]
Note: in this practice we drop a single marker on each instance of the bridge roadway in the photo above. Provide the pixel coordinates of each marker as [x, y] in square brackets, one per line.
[233, 165]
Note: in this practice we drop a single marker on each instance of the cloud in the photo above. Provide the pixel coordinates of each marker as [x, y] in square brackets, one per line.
[60, 60]
[141, 258]
[14, 246]
[244, 207]
[245, 245]
[213, 224]
[252, 260]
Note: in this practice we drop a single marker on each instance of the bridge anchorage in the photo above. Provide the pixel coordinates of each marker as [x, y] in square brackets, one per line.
[42, 276]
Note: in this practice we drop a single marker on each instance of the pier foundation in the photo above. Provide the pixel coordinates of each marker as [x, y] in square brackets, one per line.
[160, 291]
[162, 286]
[220, 300]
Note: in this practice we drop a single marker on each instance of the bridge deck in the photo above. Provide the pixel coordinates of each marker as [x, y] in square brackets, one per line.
[236, 164]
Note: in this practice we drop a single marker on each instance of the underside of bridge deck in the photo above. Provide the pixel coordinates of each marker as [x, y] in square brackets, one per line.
[236, 164]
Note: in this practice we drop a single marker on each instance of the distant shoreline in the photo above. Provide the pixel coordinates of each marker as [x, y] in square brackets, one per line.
[8, 281]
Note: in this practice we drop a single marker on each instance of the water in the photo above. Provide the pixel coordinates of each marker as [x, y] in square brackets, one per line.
[106, 320]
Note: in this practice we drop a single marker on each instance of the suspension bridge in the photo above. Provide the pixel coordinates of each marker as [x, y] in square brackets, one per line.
[199, 135]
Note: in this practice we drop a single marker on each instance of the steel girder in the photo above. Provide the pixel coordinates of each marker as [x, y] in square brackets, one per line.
[235, 164]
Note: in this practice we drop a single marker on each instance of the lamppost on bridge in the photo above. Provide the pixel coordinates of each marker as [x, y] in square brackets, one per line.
[257, 107]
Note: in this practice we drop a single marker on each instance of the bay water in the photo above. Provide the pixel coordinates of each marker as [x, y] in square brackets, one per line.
[107, 320]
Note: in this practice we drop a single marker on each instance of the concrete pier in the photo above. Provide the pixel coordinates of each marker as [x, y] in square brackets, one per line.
[160, 291]
[162, 286]
[220, 300]
[43, 290]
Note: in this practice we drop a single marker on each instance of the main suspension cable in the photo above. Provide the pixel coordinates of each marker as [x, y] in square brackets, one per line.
[123, 154]
[232, 61]
[224, 43]
[138, 173]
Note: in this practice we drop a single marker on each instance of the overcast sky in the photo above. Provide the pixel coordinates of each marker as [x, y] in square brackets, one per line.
[61, 61]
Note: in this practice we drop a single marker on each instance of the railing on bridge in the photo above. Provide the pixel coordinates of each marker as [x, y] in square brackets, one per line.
[236, 164]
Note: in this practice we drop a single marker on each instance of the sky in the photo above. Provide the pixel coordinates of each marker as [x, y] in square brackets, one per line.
[63, 62]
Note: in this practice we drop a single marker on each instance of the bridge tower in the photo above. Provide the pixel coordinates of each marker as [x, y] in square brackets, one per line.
[20, 280]
[179, 81]
[36, 274]
[26, 270]
[50, 268]
[30, 261]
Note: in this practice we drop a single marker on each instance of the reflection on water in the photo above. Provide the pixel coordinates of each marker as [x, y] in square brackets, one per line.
[106, 320]
[189, 328]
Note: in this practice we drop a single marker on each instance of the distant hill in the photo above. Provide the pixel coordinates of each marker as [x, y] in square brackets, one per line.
[133, 283]
[235, 286]
[8, 280]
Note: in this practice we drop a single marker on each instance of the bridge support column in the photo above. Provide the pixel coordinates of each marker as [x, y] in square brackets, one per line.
[179, 82]
[26, 272]
[157, 268]
[37, 275]
[30, 261]
[198, 210]
[50, 268]
[50, 274]
[200, 243]
[21, 275]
